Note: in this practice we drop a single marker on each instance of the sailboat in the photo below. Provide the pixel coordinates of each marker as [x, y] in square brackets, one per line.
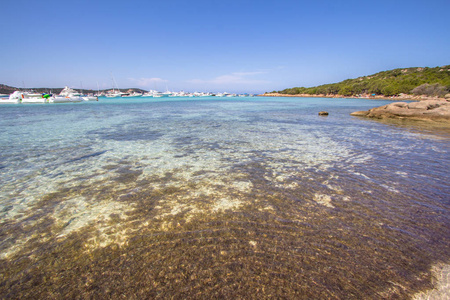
[114, 93]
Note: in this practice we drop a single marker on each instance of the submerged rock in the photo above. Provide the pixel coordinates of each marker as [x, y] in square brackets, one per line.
[323, 113]
[437, 110]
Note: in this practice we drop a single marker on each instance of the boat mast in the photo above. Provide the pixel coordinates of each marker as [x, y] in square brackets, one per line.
[114, 82]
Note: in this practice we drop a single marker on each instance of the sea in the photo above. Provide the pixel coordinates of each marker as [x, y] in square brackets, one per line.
[221, 198]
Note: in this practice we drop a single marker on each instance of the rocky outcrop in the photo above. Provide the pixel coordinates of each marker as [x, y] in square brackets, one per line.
[436, 110]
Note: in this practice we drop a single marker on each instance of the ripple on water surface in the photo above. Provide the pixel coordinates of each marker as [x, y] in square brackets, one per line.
[213, 202]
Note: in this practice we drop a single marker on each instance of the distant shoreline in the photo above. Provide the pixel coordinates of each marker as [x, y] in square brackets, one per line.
[364, 96]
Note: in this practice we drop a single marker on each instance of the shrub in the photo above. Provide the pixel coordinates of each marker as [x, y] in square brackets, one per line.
[431, 90]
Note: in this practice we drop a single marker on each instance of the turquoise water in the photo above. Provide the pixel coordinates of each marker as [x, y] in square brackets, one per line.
[219, 198]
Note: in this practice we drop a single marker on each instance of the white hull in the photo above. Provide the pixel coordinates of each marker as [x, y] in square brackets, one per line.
[89, 98]
[65, 99]
[34, 100]
[161, 95]
[9, 101]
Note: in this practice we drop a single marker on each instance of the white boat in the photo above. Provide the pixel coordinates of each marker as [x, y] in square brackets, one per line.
[179, 94]
[14, 98]
[89, 98]
[156, 94]
[166, 94]
[85, 97]
[28, 97]
[151, 93]
[67, 99]
[135, 94]
[67, 95]
[114, 93]
[6, 100]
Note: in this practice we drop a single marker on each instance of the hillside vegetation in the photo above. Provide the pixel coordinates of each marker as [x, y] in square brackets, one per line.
[413, 81]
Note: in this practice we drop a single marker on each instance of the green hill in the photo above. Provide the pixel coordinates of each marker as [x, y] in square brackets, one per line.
[418, 81]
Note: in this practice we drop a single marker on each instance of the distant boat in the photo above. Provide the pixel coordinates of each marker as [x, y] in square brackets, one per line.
[14, 98]
[114, 93]
[156, 94]
[179, 94]
[28, 97]
[148, 94]
[25, 97]
[67, 95]
[135, 94]
[89, 98]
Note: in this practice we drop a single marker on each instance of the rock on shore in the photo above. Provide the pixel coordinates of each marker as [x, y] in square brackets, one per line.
[436, 110]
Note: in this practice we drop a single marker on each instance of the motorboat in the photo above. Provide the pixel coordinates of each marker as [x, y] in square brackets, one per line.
[136, 94]
[151, 93]
[62, 99]
[67, 95]
[28, 97]
[114, 94]
[179, 94]
[14, 98]
[132, 95]
[89, 98]
[156, 94]
[25, 97]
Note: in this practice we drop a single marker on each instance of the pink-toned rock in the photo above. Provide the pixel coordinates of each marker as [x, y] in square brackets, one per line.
[437, 110]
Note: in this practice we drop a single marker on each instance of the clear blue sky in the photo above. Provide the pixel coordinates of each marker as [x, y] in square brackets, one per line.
[208, 45]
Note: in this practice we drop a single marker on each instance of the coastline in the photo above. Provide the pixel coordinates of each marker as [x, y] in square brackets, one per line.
[364, 96]
[424, 113]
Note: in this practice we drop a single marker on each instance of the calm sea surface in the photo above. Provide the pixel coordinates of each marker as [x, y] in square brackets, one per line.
[219, 198]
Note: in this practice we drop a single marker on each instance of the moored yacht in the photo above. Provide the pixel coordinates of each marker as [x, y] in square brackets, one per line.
[89, 98]
[14, 98]
[114, 94]
[28, 97]
[153, 93]
[133, 94]
[67, 95]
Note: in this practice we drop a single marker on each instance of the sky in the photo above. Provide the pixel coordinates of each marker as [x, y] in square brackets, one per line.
[234, 46]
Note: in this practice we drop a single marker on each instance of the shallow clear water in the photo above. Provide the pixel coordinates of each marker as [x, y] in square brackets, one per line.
[219, 198]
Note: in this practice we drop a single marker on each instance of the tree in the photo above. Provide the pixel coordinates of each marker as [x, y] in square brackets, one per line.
[346, 90]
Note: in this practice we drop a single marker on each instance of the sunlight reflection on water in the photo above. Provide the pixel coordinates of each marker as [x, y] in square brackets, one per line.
[217, 198]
